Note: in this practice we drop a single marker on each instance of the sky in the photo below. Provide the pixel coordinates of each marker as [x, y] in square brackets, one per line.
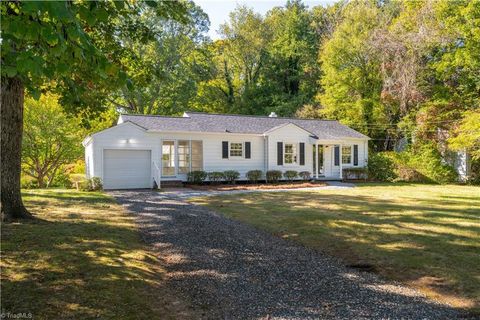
[218, 10]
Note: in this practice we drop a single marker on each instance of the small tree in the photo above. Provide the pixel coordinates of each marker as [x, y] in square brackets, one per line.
[51, 139]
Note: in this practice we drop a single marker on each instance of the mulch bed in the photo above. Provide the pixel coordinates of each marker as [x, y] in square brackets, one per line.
[258, 186]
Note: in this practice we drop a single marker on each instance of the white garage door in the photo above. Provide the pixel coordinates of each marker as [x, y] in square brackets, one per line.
[126, 169]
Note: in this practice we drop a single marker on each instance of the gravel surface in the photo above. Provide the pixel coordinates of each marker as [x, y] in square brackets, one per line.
[229, 270]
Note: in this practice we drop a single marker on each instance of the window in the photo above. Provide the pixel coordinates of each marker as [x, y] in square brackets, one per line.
[236, 149]
[197, 155]
[183, 156]
[346, 154]
[168, 158]
[290, 154]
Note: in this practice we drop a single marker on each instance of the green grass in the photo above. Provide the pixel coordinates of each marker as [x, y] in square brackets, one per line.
[425, 235]
[82, 258]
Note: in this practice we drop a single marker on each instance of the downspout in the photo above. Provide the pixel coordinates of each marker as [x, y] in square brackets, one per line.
[265, 144]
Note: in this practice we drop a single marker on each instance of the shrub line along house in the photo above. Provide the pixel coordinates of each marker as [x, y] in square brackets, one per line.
[141, 151]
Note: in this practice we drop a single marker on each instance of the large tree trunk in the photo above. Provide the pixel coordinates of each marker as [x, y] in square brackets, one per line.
[11, 149]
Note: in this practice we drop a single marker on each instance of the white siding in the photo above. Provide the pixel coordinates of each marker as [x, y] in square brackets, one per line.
[127, 136]
[289, 134]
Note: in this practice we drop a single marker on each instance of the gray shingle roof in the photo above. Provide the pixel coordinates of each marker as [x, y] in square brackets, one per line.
[206, 122]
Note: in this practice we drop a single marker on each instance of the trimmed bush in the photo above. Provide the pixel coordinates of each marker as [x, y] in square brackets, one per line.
[197, 176]
[273, 175]
[254, 175]
[290, 175]
[231, 176]
[92, 184]
[305, 175]
[216, 176]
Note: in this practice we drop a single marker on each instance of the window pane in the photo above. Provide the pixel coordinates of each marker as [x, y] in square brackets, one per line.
[236, 149]
[197, 155]
[183, 156]
[290, 153]
[346, 154]
[168, 158]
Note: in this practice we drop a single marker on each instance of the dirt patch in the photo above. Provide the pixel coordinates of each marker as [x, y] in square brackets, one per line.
[263, 186]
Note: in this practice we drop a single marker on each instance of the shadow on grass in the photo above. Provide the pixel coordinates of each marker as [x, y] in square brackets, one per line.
[408, 239]
[77, 263]
[233, 270]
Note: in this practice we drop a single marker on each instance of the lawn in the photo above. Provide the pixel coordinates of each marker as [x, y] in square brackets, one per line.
[425, 235]
[82, 258]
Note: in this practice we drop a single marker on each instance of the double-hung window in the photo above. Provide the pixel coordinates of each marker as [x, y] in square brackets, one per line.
[346, 154]
[290, 153]
[236, 149]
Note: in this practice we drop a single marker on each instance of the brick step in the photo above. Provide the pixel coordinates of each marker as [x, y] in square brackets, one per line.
[172, 183]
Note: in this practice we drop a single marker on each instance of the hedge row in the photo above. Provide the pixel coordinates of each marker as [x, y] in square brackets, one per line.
[253, 176]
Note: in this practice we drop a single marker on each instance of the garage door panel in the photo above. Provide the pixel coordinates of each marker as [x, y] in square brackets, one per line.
[127, 169]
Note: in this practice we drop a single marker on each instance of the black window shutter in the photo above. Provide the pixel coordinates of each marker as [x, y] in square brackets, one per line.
[225, 149]
[355, 154]
[302, 153]
[280, 153]
[247, 150]
[337, 155]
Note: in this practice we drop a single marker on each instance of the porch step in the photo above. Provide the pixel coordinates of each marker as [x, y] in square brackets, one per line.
[172, 183]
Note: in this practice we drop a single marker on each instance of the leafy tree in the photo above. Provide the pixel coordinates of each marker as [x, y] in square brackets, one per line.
[51, 139]
[467, 135]
[351, 82]
[76, 44]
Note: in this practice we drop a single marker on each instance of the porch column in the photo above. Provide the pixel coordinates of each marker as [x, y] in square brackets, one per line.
[316, 159]
[340, 162]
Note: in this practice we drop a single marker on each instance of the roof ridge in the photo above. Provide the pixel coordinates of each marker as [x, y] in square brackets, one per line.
[152, 115]
[254, 116]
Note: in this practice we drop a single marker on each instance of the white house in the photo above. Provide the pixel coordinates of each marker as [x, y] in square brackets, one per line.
[142, 150]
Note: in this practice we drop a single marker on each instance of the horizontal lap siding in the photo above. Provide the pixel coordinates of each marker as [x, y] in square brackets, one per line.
[289, 134]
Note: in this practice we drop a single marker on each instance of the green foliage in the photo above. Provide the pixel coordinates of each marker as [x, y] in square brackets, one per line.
[305, 175]
[92, 184]
[51, 139]
[197, 176]
[467, 135]
[273, 176]
[427, 160]
[77, 180]
[290, 175]
[381, 167]
[254, 175]
[231, 176]
[28, 182]
[216, 176]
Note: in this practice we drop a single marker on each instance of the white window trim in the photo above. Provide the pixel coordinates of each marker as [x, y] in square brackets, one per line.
[230, 148]
[295, 154]
[351, 154]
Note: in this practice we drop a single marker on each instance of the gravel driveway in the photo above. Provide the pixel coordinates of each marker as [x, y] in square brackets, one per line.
[229, 270]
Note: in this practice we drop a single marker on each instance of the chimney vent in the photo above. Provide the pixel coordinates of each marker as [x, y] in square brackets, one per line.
[273, 115]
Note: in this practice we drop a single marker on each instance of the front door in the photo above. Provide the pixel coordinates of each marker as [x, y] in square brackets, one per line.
[318, 163]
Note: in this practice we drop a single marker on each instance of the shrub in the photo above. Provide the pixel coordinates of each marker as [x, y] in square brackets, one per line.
[427, 160]
[197, 176]
[381, 167]
[76, 179]
[231, 176]
[290, 175]
[215, 176]
[254, 175]
[273, 175]
[474, 176]
[355, 173]
[27, 182]
[92, 184]
[305, 175]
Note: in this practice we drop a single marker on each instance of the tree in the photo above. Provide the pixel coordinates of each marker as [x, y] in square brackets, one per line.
[78, 45]
[351, 82]
[51, 139]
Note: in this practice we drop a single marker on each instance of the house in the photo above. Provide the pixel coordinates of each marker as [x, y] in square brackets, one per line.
[141, 151]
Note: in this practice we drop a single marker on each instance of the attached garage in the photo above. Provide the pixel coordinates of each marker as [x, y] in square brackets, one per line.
[127, 169]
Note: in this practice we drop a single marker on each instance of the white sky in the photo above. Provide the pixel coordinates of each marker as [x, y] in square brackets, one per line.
[218, 10]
